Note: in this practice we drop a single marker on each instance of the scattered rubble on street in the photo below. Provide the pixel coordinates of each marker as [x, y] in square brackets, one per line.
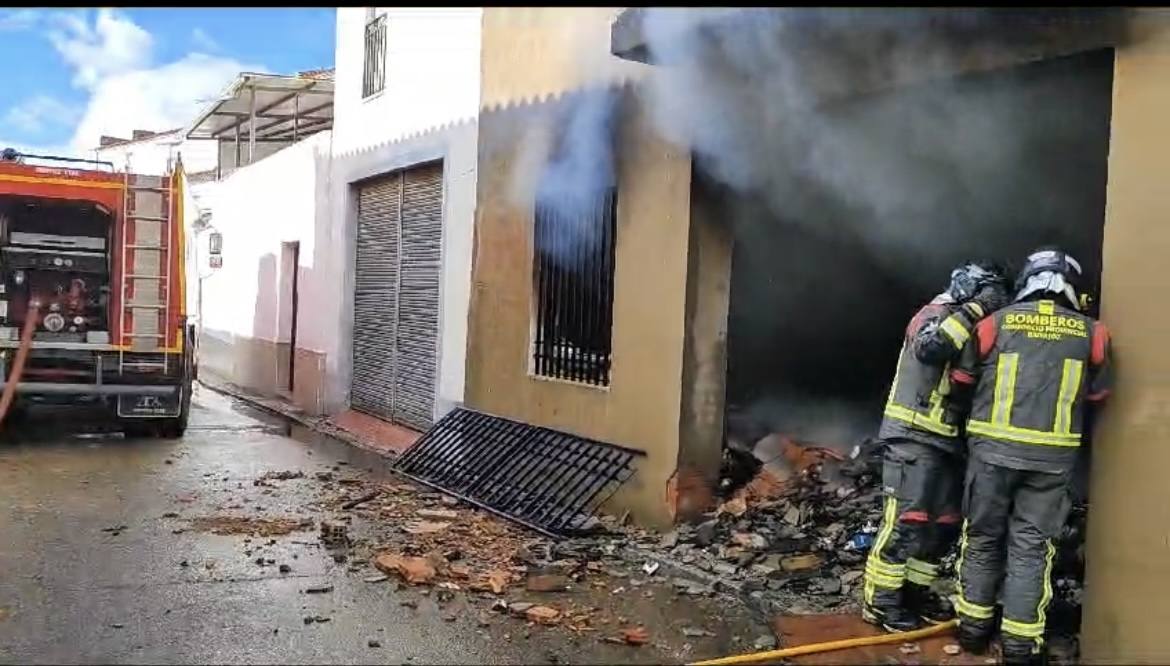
[264, 527]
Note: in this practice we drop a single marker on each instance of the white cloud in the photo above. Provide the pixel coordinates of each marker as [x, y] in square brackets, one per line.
[112, 45]
[20, 19]
[111, 59]
[204, 41]
[36, 114]
[157, 98]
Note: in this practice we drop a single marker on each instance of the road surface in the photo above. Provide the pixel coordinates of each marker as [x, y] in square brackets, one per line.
[99, 562]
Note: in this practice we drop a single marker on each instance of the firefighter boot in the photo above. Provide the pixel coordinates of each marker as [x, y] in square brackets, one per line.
[974, 636]
[888, 612]
[1020, 652]
[927, 604]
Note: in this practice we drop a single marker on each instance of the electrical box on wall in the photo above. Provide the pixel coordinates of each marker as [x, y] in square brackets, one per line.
[216, 260]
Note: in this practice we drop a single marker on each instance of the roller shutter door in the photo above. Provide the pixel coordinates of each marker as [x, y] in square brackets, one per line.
[396, 296]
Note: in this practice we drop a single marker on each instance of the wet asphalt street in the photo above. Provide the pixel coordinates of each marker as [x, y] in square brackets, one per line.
[99, 563]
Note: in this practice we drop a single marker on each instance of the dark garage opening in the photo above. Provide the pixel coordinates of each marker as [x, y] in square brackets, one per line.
[823, 286]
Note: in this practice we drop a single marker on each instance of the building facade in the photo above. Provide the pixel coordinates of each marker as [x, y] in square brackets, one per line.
[806, 270]
[357, 239]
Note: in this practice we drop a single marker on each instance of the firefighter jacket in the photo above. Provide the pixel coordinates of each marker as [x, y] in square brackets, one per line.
[919, 407]
[1034, 365]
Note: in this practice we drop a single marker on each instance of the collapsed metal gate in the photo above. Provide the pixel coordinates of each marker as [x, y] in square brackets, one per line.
[396, 296]
[547, 480]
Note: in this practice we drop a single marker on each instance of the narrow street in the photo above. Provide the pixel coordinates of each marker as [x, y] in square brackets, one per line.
[105, 559]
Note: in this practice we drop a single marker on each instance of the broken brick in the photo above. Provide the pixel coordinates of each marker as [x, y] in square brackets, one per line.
[414, 570]
[547, 583]
[635, 636]
[542, 615]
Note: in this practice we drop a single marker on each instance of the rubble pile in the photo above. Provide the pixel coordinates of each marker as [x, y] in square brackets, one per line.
[796, 525]
[793, 536]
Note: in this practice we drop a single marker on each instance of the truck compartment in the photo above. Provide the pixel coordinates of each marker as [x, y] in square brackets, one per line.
[56, 252]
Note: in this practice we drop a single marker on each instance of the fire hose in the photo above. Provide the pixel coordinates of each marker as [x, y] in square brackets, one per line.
[828, 646]
[26, 336]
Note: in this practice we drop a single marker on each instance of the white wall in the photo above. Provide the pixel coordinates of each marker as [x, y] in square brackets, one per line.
[432, 73]
[256, 208]
[149, 156]
[432, 80]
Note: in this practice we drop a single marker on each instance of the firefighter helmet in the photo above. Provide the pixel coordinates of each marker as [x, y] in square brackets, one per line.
[1050, 270]
[969, 278]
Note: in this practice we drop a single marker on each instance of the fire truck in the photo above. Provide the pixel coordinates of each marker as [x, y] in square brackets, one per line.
[92, 291]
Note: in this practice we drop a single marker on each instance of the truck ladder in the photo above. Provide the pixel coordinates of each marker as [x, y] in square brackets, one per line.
[146, 269]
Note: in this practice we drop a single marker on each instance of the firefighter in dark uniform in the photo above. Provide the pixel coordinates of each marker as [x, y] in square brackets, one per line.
[1035, 366]
[922, 469]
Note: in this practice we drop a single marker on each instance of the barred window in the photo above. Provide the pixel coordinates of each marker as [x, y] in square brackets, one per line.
[574, 264]
[374, 70]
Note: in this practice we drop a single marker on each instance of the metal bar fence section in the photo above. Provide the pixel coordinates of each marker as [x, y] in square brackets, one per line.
[550, 481]
[374, 71]
[574, 264]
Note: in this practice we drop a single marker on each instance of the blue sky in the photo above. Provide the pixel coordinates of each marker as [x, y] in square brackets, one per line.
[74, 75]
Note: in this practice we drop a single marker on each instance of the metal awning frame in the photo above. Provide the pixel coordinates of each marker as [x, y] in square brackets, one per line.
[266, 108]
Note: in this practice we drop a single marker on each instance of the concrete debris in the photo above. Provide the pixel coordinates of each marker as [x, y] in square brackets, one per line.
[765, 642]
[281, 476]
[748, 540]
[376, 579]
[424, 527]
[952, 649]
[436, 514]
[519, 608]
[910, 648]
[692, 632]
[650, 567]
[334, 534]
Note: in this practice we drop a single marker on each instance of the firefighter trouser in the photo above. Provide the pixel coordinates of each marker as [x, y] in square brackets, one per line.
[1013, 520]
[920, 519]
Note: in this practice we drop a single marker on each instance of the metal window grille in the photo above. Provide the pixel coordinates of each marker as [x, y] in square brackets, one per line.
[548, 480]
[574, 262]
[374, 72]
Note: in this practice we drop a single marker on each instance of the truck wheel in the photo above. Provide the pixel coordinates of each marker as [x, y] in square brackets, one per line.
[175, 428]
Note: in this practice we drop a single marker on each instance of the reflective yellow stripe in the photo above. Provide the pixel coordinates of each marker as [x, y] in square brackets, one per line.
[889, 516]
[1022, 629]
[1035, 630]
[919, 578]
[1023, 435]
[922, 421]
[885, 568]
[1005, 389]
[914, 564]
[968, 608]
[879, 580]
[955, 331]
[973, 610]
[1046, 307]
[1070, 385]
